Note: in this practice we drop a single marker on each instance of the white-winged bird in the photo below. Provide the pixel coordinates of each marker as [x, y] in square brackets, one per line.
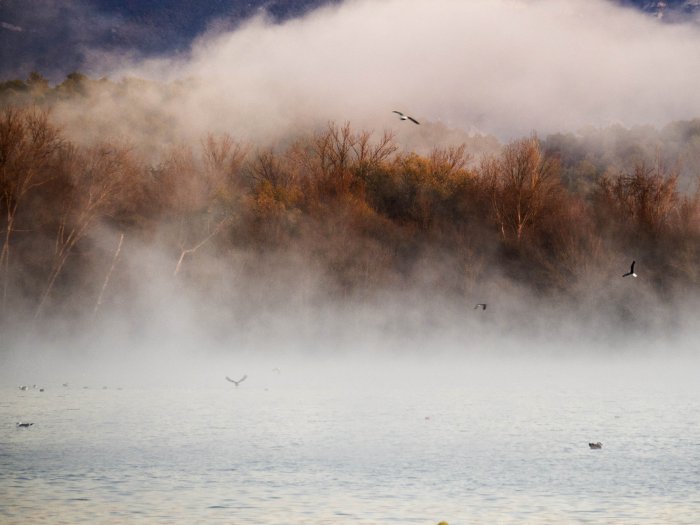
[406, 117]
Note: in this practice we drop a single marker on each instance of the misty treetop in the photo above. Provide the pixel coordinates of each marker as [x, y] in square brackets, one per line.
[557, 216]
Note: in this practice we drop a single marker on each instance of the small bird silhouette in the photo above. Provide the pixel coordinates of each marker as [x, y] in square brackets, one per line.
[480, 305]
[596, 445]
[631, 272]
[237, 382]
[24, 425]
[406, 117]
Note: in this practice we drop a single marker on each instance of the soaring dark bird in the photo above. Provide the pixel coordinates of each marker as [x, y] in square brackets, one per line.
[237, 382]
[480, 305]
[406, 117]
[596, 445]
[24, 425]
[631, 272]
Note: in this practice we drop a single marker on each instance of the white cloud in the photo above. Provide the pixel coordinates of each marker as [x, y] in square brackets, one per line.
[501, 66]
[10, 27]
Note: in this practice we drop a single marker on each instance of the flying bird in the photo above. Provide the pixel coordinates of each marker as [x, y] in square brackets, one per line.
[631, 272]
[406, 117]
[596, 445]
[237, 382]
[24, 425]
[480, 305]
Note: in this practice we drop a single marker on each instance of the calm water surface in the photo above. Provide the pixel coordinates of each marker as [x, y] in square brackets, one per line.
[466, 446]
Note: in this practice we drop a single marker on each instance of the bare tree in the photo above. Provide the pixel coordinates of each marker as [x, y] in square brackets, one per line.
[446, 162]
[96, 176]
[521, 183]
[29, 144]
[645, 201]
[204, 191]
[223, 159]
[98, 303]
[192, 249]
[345, 158]
[268, 168]
[370, 155]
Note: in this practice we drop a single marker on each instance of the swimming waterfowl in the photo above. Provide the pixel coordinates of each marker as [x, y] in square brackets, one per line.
[596, 445]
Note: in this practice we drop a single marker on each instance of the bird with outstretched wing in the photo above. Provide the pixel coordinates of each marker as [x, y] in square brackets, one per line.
[406, 117]
[237, 382]
[631, 272]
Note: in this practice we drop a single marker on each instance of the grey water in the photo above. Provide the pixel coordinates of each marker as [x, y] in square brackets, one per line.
[463, 442]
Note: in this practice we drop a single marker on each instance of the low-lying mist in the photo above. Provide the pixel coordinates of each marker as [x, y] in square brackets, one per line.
[265, 313]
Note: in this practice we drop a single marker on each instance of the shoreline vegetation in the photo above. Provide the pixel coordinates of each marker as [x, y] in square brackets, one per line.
[559, 215]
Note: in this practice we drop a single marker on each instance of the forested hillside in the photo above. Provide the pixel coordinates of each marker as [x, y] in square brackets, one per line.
[559, 215]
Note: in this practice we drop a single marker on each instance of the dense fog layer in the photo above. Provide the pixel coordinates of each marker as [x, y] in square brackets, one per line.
[505, 67]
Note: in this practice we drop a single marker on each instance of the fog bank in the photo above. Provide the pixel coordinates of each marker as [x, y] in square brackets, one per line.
[505, 67]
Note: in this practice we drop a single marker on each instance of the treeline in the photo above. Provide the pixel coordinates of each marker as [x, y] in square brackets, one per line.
[36, 89]
[367, 215]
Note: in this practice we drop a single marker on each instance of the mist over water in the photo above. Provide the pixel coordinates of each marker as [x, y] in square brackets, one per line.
[397, 400]
[174, 334]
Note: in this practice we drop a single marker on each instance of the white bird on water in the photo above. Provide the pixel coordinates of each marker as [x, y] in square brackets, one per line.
[237, 382]
[480, 305]
[631, 272]
[406, 117]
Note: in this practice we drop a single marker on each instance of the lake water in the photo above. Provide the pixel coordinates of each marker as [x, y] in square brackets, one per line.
[468, 444]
